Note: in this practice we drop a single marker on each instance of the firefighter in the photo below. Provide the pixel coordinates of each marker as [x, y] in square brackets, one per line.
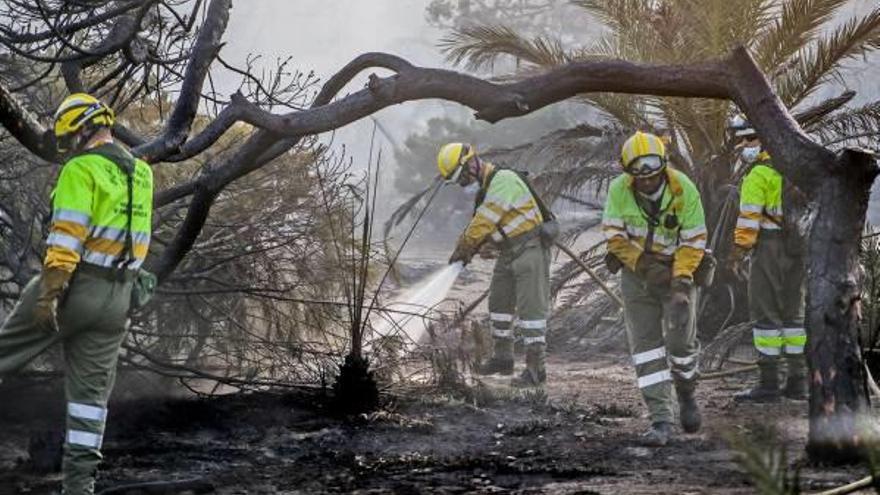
[775, 244]
[656, 234]
[510, 215]
[98, 239]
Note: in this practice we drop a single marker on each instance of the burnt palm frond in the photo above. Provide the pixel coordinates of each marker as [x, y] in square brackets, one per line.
[821, 62]
[854, 126]
[568, 160]
[812, 118]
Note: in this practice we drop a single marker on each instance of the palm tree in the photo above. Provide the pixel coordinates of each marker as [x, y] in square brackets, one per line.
[799, 44]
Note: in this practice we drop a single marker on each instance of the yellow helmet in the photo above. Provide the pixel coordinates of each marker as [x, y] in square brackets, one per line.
[451, 157]
[79, 109]
[646, 149]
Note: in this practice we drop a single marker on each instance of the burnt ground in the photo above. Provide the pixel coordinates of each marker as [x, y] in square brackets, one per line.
[580, 437]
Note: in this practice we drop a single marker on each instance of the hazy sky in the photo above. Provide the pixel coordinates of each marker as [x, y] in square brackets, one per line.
[324, 35]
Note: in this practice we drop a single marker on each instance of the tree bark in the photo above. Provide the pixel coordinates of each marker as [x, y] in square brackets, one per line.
[841, 426]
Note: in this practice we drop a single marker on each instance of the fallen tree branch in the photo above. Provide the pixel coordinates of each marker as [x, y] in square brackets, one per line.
[571, 254]
[722, 374]
[850, 488]
[161, 487]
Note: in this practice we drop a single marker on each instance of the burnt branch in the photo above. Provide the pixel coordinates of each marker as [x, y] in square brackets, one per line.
[207, 46]
[24, 125]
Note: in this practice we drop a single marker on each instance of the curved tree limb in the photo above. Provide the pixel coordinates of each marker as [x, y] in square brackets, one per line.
[207, 46]
[24, 125]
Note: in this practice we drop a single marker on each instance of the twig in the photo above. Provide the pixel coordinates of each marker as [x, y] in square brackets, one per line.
[744, 362]
[722, 374]
[164, 487]
[850, 488]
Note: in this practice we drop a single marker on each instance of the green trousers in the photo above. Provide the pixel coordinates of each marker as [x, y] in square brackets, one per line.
[663, 343]
[520, 290]
[777, 298]
[92, 320]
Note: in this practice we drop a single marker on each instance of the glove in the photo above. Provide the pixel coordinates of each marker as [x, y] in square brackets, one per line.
[654, 271]
[52, 284]
[737, 262]
[489, 251]
[679, 301]
[613, 263]
[680, 290]
[463, 253]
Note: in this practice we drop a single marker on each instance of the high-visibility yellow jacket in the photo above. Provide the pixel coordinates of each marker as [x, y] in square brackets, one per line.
[89, 214]
[760, 203]
[507, 207]
[626, 226]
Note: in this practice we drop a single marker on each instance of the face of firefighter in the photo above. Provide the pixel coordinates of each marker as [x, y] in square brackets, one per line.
[468, 179]
[750, 148]
[649, 185]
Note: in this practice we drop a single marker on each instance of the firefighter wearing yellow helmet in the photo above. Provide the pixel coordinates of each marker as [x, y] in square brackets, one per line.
[98, 238]
[654, 224]
[509, 214]
[778, 270]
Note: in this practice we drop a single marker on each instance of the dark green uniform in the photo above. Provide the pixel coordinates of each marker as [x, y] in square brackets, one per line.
[88, 237]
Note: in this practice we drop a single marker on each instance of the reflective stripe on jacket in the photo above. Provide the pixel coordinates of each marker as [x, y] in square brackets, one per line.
[508, 205]
[626, 226]
[760, 204]
[89, 217]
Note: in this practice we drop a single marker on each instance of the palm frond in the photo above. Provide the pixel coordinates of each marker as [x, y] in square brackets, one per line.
[480, 47]
[624, 110]
[621, 16]
[854, 126]
[709, 28]
[809, 118]
[797, 25]
[766, 463]
[567, 160]
[822, 61]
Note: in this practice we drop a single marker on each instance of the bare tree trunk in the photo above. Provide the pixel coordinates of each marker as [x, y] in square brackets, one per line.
[840, 423]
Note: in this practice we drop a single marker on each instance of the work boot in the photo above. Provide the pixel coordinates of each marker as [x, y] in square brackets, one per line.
[657, 435]
[767, 389]
[796, 379]
[535, 373]
[501, 361]
[688, 410]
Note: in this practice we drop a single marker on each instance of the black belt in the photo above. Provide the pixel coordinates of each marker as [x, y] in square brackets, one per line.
[109, 274]
[512, 243]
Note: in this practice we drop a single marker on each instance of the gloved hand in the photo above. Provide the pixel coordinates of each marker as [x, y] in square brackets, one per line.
[737, 262]
[679, 301]
[489, 251]
[680, 290]
[653, 270]
[463, 253]
[613, 263]
[52, 284]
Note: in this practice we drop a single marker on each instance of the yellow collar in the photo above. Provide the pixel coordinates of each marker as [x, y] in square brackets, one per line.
[486, 172]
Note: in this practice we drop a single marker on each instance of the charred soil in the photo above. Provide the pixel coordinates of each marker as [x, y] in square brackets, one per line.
[579, 436]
